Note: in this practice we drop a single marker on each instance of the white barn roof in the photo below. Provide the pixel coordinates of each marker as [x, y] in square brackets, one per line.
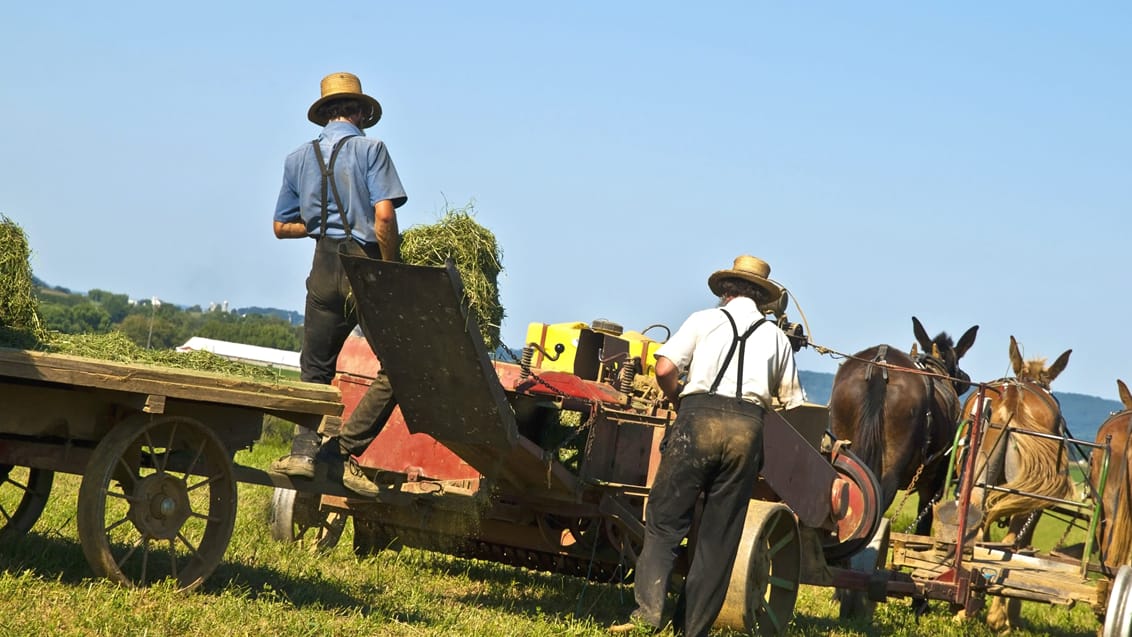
[253, 354]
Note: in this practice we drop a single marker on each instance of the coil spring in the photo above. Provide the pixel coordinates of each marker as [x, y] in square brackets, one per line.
[627, 374]
[525, 362]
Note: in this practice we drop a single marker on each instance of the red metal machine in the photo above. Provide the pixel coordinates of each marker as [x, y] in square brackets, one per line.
[547, 462]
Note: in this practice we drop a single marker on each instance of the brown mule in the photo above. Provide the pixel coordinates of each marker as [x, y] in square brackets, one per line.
[1114, 533]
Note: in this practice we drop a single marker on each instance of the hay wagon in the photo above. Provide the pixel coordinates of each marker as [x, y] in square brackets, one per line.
[154, 447]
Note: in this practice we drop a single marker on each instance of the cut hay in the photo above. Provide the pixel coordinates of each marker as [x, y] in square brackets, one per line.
[117, 347]
[19, 311]
[472, 247]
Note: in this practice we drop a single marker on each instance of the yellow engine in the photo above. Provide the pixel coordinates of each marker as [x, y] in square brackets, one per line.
[592, 352]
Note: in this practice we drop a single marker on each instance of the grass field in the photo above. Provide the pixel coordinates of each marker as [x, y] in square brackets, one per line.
[268, 588]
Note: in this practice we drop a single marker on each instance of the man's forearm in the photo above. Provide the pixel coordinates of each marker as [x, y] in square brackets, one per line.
[290, 229]
[385, 227]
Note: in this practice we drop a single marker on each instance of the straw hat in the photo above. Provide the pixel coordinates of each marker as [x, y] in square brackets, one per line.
[343, 85]
[748, 268]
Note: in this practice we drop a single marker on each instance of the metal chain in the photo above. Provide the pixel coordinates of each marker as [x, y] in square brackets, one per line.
[1026, 527]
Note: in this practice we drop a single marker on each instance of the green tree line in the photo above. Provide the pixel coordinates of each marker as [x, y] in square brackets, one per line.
[161, 325]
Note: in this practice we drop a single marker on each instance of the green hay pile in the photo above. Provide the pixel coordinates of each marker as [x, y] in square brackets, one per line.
[19, 310]
[117, 347]
[457, 236]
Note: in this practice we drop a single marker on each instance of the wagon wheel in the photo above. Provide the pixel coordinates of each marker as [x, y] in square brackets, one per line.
[857, 528]
[23, 494]
[764, 580]
[1118, 614]
[297, 517]
[157, 500]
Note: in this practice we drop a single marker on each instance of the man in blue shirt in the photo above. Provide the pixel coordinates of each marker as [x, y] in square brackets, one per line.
[341, 190]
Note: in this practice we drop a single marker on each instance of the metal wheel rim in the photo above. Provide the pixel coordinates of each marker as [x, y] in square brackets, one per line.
[157, 501]
[1118, 613]
[765, 579]
[31, 490]
[296, 516]
[851, 467]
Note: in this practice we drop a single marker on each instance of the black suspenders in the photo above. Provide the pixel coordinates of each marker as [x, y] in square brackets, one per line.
[741, 343]
[328, 175]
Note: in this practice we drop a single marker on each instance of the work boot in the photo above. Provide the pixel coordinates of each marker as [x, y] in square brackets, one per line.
[352, 477]
[294, 465]
[300, 464]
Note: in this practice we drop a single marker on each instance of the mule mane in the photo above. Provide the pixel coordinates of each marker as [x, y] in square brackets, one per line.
[1035, 371]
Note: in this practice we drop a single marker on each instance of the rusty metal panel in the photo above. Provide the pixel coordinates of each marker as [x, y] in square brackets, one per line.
[801, 477]
[431, 348]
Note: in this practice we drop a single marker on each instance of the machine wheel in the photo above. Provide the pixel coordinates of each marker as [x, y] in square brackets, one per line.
[764, 580]
[857, 528]
[23, 494]
[157, 500]
[1118, 613]
[369, 538]
[296, 516]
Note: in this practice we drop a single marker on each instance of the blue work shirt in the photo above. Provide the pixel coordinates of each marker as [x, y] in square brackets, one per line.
[363, 171]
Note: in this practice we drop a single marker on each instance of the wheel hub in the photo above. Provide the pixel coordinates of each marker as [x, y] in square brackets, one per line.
[160, 505]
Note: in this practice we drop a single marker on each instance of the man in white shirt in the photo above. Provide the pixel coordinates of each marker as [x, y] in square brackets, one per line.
[736, 361]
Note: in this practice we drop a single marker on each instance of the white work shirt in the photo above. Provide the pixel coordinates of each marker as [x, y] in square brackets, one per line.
[701, 344]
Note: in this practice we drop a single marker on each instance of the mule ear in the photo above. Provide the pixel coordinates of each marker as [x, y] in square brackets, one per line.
[1059, 365]
[1015, 356]
[921, 334]
[965, 342]
[1125, 395]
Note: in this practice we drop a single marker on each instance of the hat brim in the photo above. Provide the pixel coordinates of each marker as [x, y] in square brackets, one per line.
[375, 106]
[773, 291]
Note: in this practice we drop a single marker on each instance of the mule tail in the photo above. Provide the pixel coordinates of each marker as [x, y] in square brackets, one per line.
[869, 445]
[1043, 466]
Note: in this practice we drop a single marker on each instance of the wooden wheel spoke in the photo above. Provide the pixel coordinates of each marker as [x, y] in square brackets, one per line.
[129, 470]
[207, 481]
[143, 540]
[196, 457]
[145, 561]
[194, 549]
[201, 516]
[4, 512]
[19, 485]
[115, 525]
[173, 557]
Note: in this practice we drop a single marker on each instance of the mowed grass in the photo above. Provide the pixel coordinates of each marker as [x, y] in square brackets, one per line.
[264, 587]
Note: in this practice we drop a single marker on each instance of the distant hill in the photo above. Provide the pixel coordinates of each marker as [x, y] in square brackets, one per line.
[1083, 414]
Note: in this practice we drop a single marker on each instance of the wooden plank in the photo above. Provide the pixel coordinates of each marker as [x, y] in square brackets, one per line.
[169, 382]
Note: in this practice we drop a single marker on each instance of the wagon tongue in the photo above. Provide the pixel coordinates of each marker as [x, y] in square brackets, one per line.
[431, 348]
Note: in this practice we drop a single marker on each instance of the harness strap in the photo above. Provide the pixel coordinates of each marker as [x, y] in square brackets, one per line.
[881, 355]
[741, 343]
[327, 171]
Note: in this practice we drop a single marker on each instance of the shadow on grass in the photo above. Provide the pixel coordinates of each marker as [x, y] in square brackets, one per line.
[531, 593]
[62, 559]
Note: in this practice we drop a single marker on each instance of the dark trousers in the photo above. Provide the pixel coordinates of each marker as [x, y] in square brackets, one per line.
[714, 448]
[329, 318]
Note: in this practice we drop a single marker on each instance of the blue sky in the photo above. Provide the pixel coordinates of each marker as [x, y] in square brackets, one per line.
[966, 163]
